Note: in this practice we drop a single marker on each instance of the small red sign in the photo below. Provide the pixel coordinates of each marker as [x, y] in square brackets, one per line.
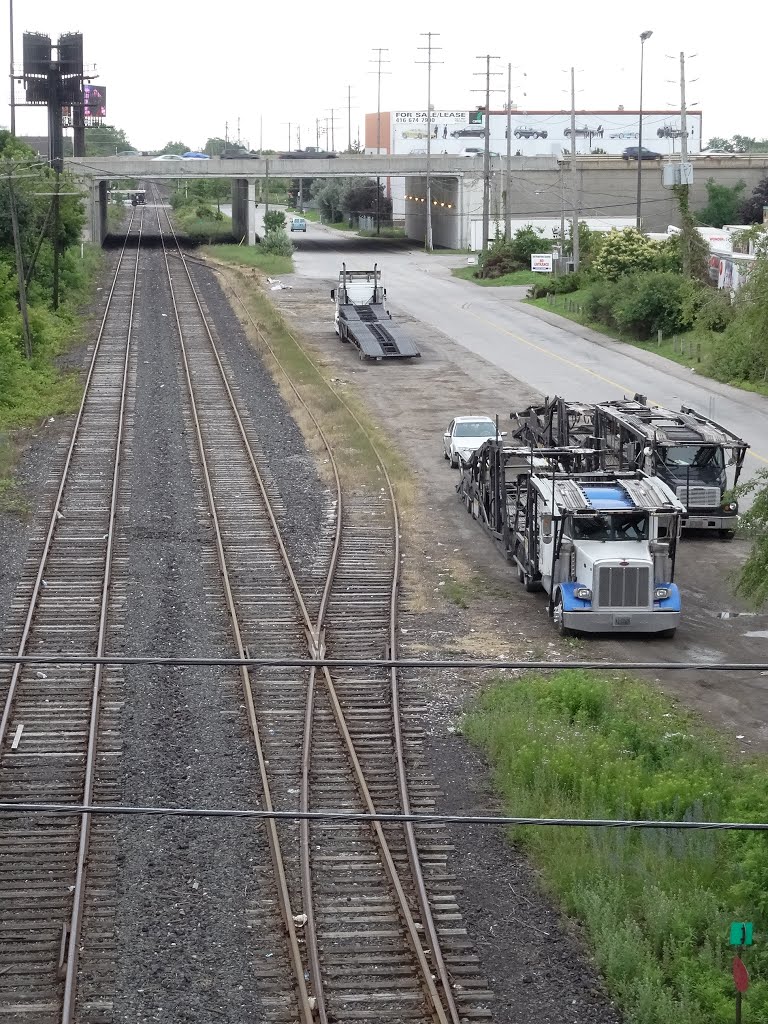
[740, 975]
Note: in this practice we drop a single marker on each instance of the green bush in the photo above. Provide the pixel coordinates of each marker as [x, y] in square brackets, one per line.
[740, 352]
[561, 285]
[277, 243]
[274, 220]
[504, 257]
[625, 252]
[641, 304]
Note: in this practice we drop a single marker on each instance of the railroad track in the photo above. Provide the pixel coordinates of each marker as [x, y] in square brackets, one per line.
[57, 735]
[371, 931]
[364, 934]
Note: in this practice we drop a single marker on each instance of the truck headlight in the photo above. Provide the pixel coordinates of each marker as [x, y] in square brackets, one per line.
[583, 593]
[731, 506]
[661, 593]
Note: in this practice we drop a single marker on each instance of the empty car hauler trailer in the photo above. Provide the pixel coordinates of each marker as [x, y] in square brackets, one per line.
[687, 450]
[600, 543]
[362, 318]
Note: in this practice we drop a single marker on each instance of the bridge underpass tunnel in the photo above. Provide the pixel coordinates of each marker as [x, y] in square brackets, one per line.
[450, 225]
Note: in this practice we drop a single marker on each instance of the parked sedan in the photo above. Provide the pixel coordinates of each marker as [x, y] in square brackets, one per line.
[168, 156]
[468, 133]
[633, 152]
[464, 435]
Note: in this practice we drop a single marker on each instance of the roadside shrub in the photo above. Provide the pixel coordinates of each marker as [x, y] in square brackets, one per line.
[504, 257]
[274, 220]
[710, 309]
[624, 252]
[647, 303]
[560, 285]
[277, 243]
[598, 302]
[740, 352]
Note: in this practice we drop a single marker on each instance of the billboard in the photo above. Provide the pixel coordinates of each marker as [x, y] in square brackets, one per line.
[94, 101]
[544, 132]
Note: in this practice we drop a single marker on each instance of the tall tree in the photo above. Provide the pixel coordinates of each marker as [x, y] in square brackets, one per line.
[723, 206]
[105, 140]
[175, 147]
[752, 208]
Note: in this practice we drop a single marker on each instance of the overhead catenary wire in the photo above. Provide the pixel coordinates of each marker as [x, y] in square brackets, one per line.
[496, 820]
[471, 664]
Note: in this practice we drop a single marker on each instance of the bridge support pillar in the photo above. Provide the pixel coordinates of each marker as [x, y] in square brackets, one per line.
[244, 210]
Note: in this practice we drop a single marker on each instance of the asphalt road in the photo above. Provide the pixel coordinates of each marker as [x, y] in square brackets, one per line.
[576, 363]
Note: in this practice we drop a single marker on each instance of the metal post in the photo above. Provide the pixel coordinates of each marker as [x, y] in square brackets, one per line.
[261, 135]
[317, 133]
[13, 83]
[562, 216]
[349, 118]
[683, 114]
[508, 186]
[266, 193]
[429, 48]
[574, 177]
[643, 37]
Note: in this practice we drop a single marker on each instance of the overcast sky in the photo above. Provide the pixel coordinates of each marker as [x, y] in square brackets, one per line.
[176, 71]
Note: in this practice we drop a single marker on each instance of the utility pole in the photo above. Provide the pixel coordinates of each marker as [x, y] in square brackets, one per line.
[333, 123]
[378, 61]
[574, 177]
[261, 132]
[487, 150]
[429, 62]
[684, 189]
[12, 80]
[349, 118]
[317, 133]
[20, 270]
[508, 183]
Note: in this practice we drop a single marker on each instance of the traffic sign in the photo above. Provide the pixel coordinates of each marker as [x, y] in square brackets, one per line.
[740, 975]
[741, 933]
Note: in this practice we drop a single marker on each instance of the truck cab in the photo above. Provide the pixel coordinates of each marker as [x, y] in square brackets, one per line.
[600, 543]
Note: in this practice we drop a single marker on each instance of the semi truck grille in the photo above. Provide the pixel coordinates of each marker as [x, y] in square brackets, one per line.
[697, 496]
[621, 586]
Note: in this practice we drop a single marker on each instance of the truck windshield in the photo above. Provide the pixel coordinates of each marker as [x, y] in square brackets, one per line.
[689, 455]
[475, 428]
[611, 526]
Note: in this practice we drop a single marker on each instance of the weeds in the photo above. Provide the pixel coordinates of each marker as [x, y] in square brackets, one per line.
[656, 903]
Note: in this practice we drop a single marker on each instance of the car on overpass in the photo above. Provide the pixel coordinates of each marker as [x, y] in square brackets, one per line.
[639, 153]
[168, 156]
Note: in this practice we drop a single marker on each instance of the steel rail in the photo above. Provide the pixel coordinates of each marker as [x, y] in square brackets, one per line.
[305, 1005]
[314, 639]
[78, 899]
[56, 512]
[402, 775]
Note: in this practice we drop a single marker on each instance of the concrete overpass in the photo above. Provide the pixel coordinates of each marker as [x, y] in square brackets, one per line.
[605, 185]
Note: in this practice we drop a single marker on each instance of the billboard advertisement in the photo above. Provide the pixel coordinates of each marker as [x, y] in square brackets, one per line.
[543, 133]
[94, 101]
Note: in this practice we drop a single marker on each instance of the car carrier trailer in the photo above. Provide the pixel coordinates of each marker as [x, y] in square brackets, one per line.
[361, 317]
[688, 451]
[600, 543]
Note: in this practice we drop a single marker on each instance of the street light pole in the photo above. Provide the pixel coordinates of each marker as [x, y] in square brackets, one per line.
[643, 37]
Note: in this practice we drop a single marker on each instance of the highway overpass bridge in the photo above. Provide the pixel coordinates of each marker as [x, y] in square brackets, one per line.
[540, 186]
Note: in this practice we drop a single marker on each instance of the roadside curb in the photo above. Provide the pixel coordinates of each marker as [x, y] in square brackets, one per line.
[750, 398]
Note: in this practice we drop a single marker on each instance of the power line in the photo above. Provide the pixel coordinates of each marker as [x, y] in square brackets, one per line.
[504, 821]
[403, 663]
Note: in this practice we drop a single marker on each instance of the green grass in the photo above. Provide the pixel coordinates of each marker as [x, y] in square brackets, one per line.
[656, 904]
[516, 277]
[251, 256]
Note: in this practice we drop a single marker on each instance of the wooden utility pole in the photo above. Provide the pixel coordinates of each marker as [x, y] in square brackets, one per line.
[429, 62]
[20, 271]
[574, 177]
[378, 61]
[487, 148]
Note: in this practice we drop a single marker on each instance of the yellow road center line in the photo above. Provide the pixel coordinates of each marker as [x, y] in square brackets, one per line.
[576, 366]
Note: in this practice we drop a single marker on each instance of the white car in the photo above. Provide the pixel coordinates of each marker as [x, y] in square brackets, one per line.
[168, 156]
[464, 436]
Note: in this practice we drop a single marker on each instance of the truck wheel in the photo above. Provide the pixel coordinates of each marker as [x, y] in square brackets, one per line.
[727, 534]
[558, 618]
[454, 461]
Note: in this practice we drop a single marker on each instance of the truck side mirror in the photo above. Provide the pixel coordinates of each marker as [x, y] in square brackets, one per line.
[333, 293]
[659, 547]
[546, 529]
